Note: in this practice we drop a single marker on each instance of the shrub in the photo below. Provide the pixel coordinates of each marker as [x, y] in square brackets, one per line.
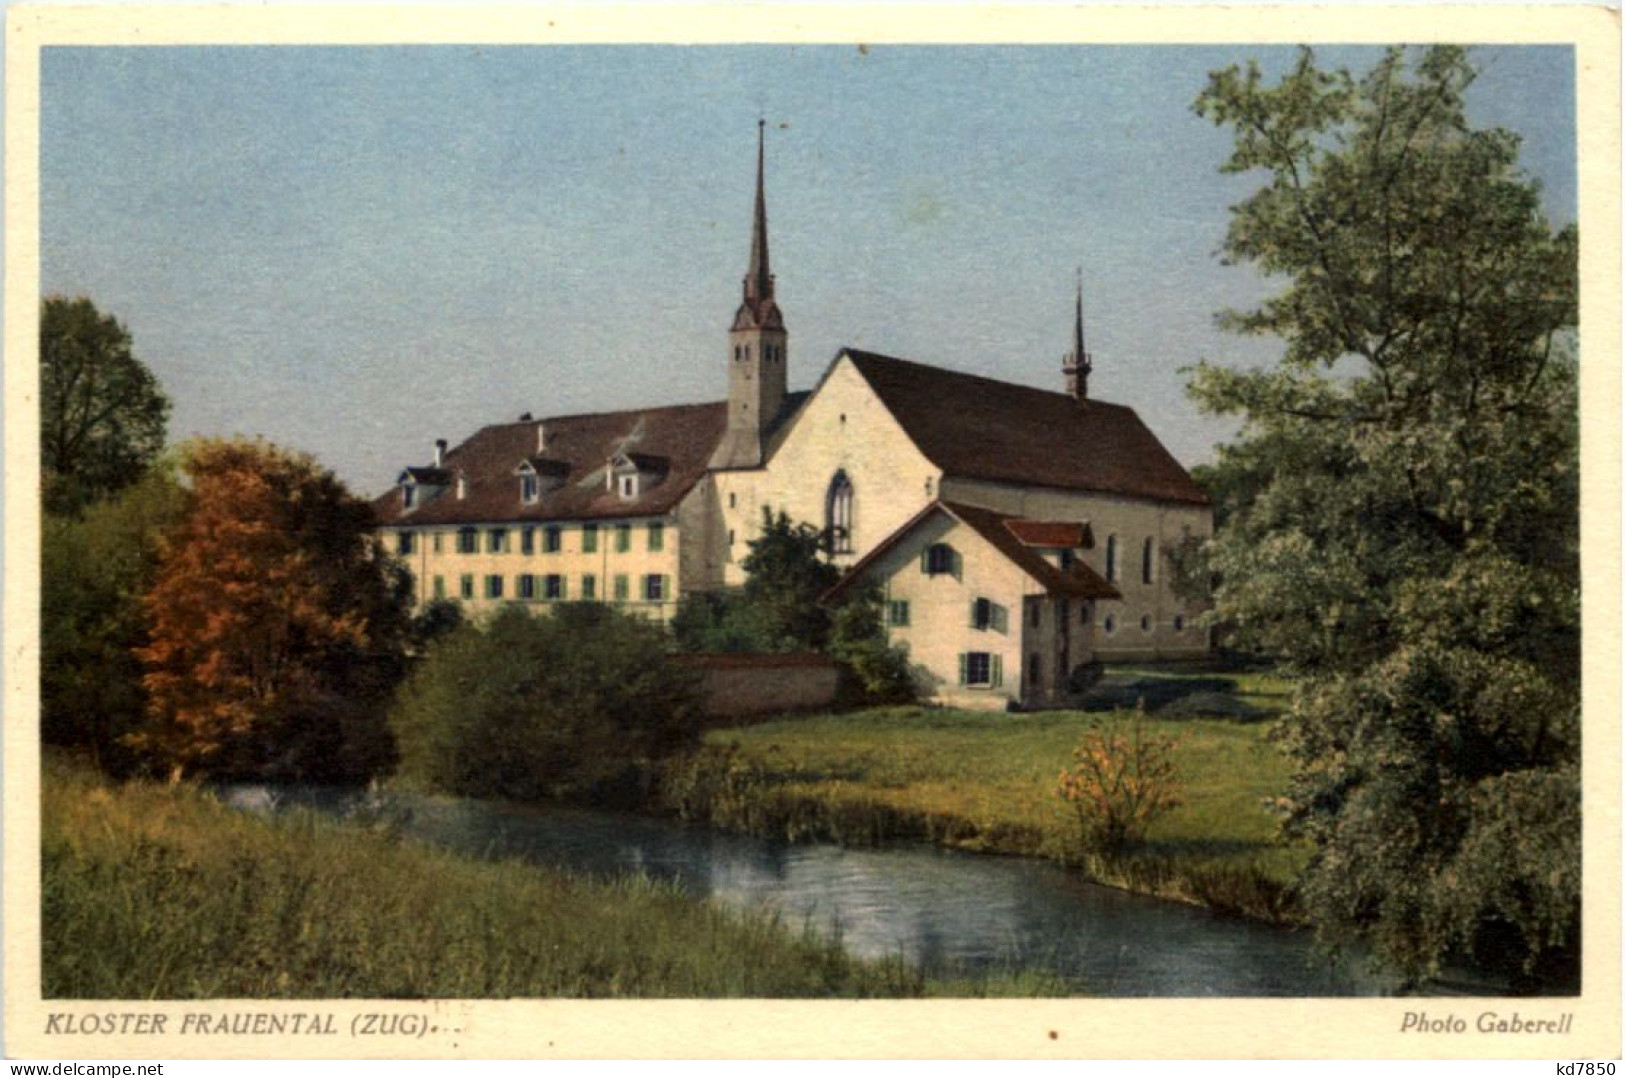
[858, 639]
[576, 704]
[1120, 782]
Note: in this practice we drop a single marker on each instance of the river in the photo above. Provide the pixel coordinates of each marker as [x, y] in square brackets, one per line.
[950, 913]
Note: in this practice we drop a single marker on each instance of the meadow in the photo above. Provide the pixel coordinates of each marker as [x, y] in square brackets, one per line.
[159, 893]
[986, 781]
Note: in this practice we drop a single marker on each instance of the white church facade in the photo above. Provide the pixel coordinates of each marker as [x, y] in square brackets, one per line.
[1014, 533]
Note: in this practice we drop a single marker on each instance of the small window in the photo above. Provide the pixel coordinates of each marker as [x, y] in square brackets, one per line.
[465, 586]
[493, 586]
[623, 590]
[589, 538]
[1145, 623]
[897, 612]
[405, 542]
[497, 540]
[527, 586]
[939, 559]
[657, 537]
[1036, 616]
[733, 500]
[1066, 558]
[1111, 557]
[468, 540]
[439, 587]
[589, 587]
[979, 669]
[527, 540]
[1033, 674]
[654, 588]
[437, 542]
[623, 538]
[1179, 623]
[1147, 560]
[550, 539]
[629, 486]
[553, 587]
[986, 615]
[1110, 625]
[730, 537]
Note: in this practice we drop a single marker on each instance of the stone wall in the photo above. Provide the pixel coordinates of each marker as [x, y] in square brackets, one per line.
[754, 686]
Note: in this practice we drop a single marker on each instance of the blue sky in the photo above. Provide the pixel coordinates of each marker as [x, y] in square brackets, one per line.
[354, 251]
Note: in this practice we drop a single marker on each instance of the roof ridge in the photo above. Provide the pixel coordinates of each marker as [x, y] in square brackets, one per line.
[604, 415]
[864, 354]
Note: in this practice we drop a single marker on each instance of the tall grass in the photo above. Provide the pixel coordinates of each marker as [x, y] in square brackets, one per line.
[165, 894]
[987, 782]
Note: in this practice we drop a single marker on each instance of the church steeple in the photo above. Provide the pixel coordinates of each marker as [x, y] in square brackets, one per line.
[759, 308]
[1078, 363]
[756, 344]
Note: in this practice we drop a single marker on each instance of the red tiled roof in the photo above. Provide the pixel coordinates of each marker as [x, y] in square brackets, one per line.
[1049, 533]
[579, 448]
[1079, 582]
[981, 428]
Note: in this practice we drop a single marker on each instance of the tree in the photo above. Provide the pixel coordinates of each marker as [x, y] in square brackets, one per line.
[576, 704]
[1402, 508]
[858, 639]
[95, 569]
[777, 610]
[786, 574]
[276, 624]
[1122, 780]
[102, 413]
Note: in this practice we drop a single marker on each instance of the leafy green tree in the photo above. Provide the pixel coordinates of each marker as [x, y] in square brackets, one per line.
[786, 574]
[858, 639]
[276, 624]
[102, 413]
[1401, 510]
[576, 704]
[94, 570]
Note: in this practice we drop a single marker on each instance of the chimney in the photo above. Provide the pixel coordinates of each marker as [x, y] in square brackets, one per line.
[439, 452]
[541, 437]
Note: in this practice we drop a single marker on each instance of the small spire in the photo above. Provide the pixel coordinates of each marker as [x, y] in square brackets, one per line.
[759, 310]
[1078, 363]
[759, 281]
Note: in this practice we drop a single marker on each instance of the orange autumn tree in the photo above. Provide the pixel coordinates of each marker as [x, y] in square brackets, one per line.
[1122, 780]
[276, 624]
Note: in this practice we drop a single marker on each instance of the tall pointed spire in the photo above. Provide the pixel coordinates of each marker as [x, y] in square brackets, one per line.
[1078, 363]
[759, 308]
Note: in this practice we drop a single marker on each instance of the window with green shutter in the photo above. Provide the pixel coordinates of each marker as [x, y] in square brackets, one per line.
[623, 538]
[550, 539]
[589, 538]
[978, 669]
[657, 537]
[897, 612]
[623, 590]
[589, 587]
[554, 587]
[439, 587]
[465, 586]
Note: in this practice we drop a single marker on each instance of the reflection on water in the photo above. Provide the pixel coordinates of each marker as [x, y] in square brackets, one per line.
[948, 912]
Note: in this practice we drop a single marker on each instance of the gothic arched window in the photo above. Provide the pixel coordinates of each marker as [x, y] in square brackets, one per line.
[838, 514]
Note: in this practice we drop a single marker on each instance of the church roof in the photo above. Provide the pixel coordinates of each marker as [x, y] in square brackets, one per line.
[1000, 530]
[579, 447]
[981, 428]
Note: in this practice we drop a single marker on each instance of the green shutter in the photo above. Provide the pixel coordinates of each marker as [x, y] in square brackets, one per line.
[973, 613]
[964, 668]
[996, 676]
[564, 587]
[1001, 619]
[666, 595]
[925, 561]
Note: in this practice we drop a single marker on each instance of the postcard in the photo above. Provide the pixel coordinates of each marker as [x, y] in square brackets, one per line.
[780, 531]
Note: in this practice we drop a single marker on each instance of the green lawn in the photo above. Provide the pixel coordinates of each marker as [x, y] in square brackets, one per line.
[986, 781]
[165, 894]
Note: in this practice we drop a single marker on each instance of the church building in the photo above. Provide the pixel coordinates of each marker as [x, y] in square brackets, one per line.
[1014, 533]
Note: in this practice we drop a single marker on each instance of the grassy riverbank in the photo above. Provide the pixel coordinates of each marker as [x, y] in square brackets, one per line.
[986, 781]
[156, 893]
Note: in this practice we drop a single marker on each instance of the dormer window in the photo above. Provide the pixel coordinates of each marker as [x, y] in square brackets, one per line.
[629, 486]
[529, 489]
[630, 475]
[462, 486]
[409, 496]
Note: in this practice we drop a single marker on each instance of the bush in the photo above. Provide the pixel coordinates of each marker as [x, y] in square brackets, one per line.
[1121, 781]
[577, 704]
[858, 639]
